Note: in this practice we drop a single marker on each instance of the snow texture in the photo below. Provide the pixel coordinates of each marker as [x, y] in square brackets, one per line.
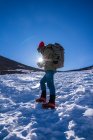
[21, 118]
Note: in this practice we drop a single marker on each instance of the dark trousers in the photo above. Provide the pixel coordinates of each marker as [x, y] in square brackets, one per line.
[49, 79]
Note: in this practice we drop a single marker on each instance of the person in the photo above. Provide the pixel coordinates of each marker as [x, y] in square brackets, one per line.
[48, 78]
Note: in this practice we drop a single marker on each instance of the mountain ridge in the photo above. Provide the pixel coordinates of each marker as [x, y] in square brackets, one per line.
[9, 66]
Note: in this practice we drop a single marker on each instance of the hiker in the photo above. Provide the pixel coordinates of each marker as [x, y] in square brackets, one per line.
[50, 69]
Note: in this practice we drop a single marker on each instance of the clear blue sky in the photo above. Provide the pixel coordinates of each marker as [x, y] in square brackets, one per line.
[24, 23]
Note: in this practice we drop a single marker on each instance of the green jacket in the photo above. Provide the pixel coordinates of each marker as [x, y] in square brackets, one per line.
[48, 59]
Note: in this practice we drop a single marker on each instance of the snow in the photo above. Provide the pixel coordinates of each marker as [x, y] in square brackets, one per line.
[21, 118]
[89, 112]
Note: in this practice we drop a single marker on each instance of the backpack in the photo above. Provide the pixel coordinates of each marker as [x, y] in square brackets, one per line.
[58, 54]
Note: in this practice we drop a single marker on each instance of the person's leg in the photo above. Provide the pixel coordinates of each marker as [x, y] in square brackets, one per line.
[50, 84]
[43, 90]
[50, 81]
[42, 83]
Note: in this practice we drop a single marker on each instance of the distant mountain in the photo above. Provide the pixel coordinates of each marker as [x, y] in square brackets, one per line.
[81, 69]
[10, 66]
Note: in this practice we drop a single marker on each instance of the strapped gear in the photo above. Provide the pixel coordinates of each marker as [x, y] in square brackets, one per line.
[58, 54]
[41, 99]
[50, 104]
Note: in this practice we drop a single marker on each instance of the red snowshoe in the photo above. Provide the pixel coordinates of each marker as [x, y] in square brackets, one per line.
[48, 105]
[41, 99]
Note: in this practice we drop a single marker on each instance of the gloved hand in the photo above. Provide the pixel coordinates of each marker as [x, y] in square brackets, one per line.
[40, 64]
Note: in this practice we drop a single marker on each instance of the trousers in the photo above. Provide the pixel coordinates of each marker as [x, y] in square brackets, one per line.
[49, 79]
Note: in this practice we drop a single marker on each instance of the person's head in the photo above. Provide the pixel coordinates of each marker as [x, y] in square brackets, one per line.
[41, 46]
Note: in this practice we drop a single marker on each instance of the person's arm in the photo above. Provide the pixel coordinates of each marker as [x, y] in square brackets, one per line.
[40, 64]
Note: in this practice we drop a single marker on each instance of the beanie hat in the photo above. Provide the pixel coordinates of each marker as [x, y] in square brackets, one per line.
[41, 44]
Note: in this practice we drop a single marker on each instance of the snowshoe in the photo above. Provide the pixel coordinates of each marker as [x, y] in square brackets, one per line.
[41, 99]
[48, 105]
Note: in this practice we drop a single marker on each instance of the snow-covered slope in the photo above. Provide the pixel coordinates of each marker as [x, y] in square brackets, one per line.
[23, 119]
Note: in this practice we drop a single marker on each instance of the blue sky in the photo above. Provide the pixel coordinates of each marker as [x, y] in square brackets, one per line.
[24, 23]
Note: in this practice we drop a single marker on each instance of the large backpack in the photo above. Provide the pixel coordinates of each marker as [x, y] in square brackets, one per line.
[58, 54]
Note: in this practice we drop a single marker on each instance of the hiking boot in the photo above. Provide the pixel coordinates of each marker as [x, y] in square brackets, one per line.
[48, 105]
[51, 103]
[42, 98]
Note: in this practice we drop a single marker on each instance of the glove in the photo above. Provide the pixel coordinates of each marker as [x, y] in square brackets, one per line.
[40, 64]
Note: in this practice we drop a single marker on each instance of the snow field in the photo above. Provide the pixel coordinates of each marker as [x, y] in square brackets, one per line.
[23, 119]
